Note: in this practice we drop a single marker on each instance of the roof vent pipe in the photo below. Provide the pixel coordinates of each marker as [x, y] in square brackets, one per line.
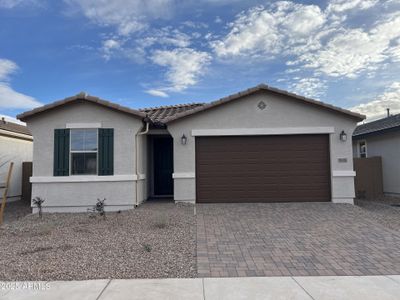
[388, 112]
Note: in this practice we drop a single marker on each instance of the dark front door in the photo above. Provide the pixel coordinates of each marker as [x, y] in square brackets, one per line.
[163, 166]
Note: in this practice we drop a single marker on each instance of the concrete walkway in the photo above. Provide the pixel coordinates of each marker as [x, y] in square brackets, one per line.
[254, 288]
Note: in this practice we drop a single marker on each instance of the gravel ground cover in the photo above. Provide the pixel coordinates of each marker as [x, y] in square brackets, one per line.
[382, 211]
[15, 210]
[156, 240]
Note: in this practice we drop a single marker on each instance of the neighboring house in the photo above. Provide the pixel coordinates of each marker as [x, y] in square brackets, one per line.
[381, 138]
[15, 146]
[259, 145]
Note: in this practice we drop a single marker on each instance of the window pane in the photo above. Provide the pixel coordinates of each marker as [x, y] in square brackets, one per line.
[90, 139]
[84, 140]
[84, 163]
[77, 139]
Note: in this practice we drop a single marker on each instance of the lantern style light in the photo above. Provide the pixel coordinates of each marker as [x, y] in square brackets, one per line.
[343, 136]
[183, 139]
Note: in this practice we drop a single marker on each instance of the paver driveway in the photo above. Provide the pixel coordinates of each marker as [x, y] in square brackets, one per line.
[293, 239]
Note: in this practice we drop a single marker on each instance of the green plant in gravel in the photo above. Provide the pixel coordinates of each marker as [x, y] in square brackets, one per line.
[147, 247]
[38, 203]
[98, 208]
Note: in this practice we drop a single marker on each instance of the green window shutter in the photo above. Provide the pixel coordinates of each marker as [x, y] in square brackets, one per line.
[106, 151]
[61, 152]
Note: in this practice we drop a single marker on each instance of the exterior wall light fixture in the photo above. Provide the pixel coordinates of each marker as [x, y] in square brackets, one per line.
[343, 136]
[183, 139]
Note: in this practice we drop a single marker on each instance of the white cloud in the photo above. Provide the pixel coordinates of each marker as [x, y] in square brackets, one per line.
[340, 6]
[376, 108]
[137, 50]
[218, 19]
[265, 31]
[314, 39]
[157, 93]
[8, 97]
[12, 99]
[184, 65]
[354, 51]
[109, 46]
[167, 37]
[309, 87]
[127, 16]
[7, 67]
[14, 3]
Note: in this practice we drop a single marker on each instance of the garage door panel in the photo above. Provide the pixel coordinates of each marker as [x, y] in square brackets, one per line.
[263, 168]
[270, 169]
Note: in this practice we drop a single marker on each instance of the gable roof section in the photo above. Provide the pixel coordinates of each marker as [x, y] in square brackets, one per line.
[165, 114]
[158, 114]
[81, 97]
[379, 126]
[258, 88]
[14, 127]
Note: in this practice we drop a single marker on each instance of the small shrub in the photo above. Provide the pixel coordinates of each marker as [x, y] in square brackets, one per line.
[160, 225]
[147, 247]
[98, 208]
[38, 203]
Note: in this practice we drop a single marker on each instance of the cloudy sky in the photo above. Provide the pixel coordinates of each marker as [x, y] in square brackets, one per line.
[144, 53]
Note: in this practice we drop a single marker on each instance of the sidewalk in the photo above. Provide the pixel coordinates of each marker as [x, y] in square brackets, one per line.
[274, 288]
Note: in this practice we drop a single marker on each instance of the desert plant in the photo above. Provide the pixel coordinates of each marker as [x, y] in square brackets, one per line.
[98, 208]
[38, 203]
[147, 247]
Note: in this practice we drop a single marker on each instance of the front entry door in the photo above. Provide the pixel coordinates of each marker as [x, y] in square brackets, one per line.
[163, 166]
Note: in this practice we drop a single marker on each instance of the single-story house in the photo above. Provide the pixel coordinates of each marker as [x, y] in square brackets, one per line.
[259, 145]
[381, 138]
[16, 145]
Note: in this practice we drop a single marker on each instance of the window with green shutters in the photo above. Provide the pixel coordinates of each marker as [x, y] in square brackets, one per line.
[84, 152]
[84, 148]
[61, 152]
[106, 151]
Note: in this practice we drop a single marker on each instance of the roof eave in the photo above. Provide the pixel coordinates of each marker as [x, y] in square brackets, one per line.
[80, 97]
[376, 132]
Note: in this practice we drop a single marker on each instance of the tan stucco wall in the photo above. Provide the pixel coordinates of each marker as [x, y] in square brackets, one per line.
[386, 146]
[17, 151]
[78, 195]
[280, 112]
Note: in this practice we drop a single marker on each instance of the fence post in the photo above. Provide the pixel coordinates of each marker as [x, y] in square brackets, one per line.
[3, 204]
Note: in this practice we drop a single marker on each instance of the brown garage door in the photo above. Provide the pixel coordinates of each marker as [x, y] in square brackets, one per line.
[286, 168]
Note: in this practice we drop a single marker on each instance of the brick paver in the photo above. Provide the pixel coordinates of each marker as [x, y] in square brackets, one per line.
[293, 239]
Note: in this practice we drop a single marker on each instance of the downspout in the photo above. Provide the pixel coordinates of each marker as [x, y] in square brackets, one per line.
[137, 158]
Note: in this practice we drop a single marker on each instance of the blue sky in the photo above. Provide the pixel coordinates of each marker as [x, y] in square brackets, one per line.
[160, 52]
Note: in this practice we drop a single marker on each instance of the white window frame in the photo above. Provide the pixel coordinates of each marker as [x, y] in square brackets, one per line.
[83, 151]
[359, 148]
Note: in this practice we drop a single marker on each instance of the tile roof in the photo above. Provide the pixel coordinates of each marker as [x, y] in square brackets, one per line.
[80, 97]
[14, 127]
[159, 114]
[262, 87]
[380, 125]
[164, 114]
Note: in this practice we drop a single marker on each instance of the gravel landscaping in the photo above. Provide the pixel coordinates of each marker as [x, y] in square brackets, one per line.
[156, 240]
[385, 211]
[15, 210]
